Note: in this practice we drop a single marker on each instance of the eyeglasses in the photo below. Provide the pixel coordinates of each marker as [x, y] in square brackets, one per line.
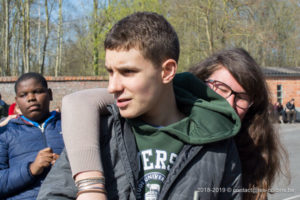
[241, 99]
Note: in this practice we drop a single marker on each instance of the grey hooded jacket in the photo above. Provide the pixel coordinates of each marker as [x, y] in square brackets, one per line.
[209, 171]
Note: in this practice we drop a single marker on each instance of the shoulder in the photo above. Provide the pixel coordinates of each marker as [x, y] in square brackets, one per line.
[223, 145]
[8, 132]
[10, 127]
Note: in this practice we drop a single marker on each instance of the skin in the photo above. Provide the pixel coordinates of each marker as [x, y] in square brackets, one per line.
[44, 158]
[33, 100]
[223, 75]
[140, 88]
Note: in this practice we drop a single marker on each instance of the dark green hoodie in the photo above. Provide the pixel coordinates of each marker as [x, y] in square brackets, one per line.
[209, 118]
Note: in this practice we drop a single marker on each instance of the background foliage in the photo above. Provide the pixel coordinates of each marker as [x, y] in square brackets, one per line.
[64, 37]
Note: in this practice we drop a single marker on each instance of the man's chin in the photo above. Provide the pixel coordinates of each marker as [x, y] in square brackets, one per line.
[36, 116]
[127, 114]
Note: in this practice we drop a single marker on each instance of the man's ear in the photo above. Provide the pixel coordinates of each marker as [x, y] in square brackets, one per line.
[50, 94]
[169, 69]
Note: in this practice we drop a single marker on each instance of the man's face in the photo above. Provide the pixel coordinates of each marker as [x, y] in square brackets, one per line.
[135, 82]
[33, 100]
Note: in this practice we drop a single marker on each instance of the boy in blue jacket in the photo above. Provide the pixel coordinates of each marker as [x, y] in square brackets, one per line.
[30, 144]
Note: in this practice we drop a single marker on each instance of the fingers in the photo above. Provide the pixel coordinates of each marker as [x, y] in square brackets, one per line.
[44, 158]
[55, 157]
[46, 150]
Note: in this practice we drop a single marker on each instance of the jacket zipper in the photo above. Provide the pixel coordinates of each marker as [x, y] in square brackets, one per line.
[179, 167]
[42, 128]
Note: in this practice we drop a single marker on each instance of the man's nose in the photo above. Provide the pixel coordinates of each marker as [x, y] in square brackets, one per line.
[31, 97]
[114, 84]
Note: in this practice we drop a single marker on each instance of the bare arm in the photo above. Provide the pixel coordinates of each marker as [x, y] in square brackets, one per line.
[80, 126]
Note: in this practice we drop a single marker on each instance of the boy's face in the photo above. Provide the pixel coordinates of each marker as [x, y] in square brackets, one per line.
[33, 100]
[135, 82]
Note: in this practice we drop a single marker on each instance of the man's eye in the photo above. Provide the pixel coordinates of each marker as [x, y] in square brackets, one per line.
[128, 72]
[39, 91]
[109, 71]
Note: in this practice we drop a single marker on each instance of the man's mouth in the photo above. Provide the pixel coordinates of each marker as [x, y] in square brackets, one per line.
[34, 107]
[122, 103]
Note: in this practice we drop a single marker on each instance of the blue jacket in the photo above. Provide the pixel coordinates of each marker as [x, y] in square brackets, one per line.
[20, 142]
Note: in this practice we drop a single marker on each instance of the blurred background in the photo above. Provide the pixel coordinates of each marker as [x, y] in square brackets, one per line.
[65, 37]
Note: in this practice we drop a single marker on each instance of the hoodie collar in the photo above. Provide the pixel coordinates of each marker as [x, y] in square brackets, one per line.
[43, 125]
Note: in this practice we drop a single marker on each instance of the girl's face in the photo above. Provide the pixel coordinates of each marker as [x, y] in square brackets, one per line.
[223, 83]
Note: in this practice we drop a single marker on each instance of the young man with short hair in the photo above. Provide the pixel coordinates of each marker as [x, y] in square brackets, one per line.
[31, 143]
[160, 141]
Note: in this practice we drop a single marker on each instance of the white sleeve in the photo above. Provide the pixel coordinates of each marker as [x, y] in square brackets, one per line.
[80, 126]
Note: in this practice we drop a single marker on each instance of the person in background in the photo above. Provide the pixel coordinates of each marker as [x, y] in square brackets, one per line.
[13, 114]
[57, 109]
[156, 142]
[291, 111]
[3, 108]
[31, 143]
[11, 109]
[279, 112]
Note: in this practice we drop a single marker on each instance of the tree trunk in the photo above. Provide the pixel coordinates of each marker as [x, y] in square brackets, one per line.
[24, 37]
[39, 38]
[46, 38]
[208, 34]
[27, 35]
[59, 40]
[17, 61]
[95, 51]
[7, 40]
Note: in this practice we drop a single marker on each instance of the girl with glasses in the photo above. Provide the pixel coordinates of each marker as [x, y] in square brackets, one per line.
[236, 76]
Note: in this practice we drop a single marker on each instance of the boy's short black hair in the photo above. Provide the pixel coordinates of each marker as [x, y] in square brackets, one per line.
[31, 75]
[149, 32]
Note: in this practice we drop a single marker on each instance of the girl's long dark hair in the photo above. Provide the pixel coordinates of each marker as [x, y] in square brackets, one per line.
[261, 152]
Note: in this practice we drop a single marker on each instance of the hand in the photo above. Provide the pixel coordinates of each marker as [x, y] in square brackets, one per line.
[44, 158]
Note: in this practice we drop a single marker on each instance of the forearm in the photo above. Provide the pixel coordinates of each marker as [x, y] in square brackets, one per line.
[80, 125]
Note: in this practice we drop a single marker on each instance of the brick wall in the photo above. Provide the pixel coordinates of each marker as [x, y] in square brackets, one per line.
[60, 86]
[290, 88]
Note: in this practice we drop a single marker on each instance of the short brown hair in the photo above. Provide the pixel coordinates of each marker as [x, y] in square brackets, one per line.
[150, 32]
